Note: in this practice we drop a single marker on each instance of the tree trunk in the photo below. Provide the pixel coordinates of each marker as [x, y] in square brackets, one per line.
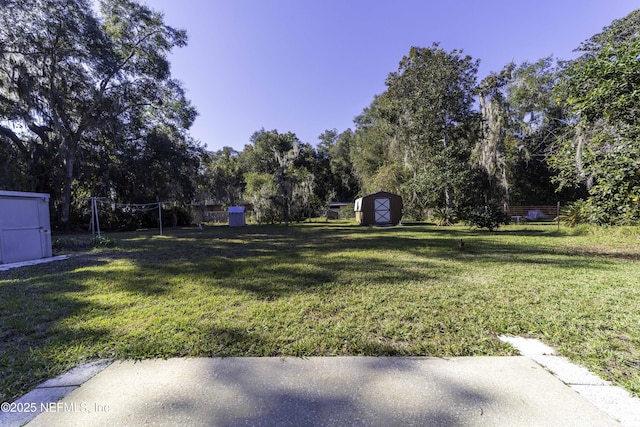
[70, 160]
[448, 203]
[580, 141]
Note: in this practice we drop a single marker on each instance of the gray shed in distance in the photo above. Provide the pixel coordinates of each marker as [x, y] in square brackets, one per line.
[236, 216]
[379, 208]
[25, 227]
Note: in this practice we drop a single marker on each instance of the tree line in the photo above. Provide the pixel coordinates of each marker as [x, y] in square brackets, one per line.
[88, 107]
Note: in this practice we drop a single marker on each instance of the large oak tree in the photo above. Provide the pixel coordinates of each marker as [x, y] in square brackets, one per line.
[80, 89]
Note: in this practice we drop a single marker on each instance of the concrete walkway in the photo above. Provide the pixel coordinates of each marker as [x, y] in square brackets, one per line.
[465, 391]
[10, 266]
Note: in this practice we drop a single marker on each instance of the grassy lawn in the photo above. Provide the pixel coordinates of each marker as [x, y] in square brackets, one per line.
[327, 289]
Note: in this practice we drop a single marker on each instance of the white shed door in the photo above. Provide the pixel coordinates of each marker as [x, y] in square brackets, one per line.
[382, 209]
[22, 235]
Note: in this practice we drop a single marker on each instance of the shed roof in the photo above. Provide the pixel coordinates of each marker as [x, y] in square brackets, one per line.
[381, 193]
[358, 202]
[4, 193]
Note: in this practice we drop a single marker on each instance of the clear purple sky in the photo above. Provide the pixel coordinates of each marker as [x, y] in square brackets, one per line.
[309, 65]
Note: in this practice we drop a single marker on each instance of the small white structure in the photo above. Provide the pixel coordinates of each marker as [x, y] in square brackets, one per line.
[236, 216]
[25, 227]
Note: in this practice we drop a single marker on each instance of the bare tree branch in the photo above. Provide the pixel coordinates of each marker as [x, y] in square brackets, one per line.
[11, 135]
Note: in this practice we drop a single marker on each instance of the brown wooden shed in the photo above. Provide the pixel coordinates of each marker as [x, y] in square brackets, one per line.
[379, 208]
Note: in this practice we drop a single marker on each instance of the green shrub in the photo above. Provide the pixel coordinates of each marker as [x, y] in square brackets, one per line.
[489, 216]
[444, 217]
[347, 211]
[575, 213]
[70, 244]
[102, 242]
[73, 244]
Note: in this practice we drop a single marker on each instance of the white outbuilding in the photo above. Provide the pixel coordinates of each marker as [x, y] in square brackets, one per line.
[236, 216]
[25, 226]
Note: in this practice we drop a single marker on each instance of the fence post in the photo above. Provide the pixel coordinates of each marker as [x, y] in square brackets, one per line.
[558, 215]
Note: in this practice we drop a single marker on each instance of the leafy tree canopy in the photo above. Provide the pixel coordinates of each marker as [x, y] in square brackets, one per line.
[79, 92]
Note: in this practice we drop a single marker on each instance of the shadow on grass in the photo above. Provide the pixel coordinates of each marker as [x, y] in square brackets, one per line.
[277, 261]
[34, 340]
[263, 263]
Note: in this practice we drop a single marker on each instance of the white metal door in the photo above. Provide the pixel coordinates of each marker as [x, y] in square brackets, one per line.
[382, 209]
[24, 232]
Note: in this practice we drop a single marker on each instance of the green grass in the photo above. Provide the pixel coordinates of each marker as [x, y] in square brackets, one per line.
[327, 289]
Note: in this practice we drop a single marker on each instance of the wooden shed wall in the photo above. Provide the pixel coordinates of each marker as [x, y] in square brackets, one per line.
[366, 215]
